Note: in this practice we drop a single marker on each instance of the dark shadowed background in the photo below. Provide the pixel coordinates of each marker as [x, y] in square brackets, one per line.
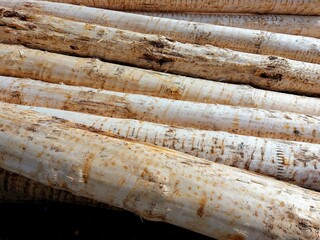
[67, 221]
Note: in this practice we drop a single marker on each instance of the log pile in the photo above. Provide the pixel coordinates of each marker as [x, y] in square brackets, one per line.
[202, 114]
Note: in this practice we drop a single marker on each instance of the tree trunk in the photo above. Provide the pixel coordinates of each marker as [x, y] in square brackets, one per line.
[244, 40]
[155, 183]
[18, 61]
[159, 53]
[239, 120]
[293, 162]
[298, 7]
[288, 24]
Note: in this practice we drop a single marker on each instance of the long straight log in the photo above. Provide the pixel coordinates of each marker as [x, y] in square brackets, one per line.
[157, 52]
[239, 120]
[18, 61]
[288, 24]
[155, 183]
[294, 162]
[299, 7]
[244, 40]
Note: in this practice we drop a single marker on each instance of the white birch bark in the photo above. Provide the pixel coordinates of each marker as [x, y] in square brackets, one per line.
[244, 40]
[18, 61]
[294, 162]
[288, 24]
[299, 7]
[157, 52]
[239, 120]
[155, 183]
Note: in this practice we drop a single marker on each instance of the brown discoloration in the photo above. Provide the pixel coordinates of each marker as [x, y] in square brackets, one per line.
[272, 76]
[73, 47]
[87, 167]
[31, 26]
[105, 108]
[59, 120]
[273, 58]
[176, 187]
[149, 176]
[236, 237]
[31, 128]
[296, 132]
[57, 148]
[287, 117]
[158, 44]
[16, 97]
[170, 92]
[89, 27]
[160, 60]
[186, 163]
[202, 204]
[13, 14]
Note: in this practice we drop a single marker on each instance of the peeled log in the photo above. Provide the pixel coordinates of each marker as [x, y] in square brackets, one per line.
[16, 188]
[298, 7]
[239, 120]
[155, 183]
[288, 24]
[158, 52]
[19, 61]
[244, 40]
[294, 162]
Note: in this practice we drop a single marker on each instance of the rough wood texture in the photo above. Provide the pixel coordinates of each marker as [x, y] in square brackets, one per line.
[293, 162]
[299, 7]
[18, 61]
[155, 183]
[244, 40]
[159, 53]
[16, 188]
[239, 120]
[288, 24]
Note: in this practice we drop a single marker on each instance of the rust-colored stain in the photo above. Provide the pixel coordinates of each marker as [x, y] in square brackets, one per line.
[15, 97]
[149, 176]
[170, 92]
[176, 187]
[202, 204]
[88, 26]
[236, 237]
[87, 167]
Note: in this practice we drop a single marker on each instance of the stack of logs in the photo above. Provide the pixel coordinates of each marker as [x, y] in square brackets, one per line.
[201, 114]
